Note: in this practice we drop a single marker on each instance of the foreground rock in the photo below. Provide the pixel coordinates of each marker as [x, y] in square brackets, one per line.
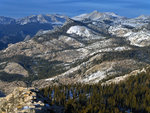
[23, 100]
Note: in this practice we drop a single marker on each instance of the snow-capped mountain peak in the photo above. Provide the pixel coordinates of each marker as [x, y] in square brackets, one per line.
[6, 20]
[95, 16]
[143, 17]
[48, 19]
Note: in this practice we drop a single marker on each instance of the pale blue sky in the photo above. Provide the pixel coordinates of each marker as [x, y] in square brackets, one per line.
[20, 8]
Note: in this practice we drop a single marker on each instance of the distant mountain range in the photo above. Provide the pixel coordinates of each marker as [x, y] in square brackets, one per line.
[16, 30]
[43, 19]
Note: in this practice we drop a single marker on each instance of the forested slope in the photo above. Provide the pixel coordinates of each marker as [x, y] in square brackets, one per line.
[132, 95]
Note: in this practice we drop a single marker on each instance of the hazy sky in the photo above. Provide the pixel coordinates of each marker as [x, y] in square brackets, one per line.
[20, 8]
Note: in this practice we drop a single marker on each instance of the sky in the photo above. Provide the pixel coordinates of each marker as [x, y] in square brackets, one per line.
[21, 8]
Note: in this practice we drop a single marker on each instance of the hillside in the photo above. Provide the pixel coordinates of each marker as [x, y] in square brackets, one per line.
[129, 96]
[25, 100]
[87, 49]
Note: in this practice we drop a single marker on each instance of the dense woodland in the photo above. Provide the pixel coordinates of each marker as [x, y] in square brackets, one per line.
[132, 95]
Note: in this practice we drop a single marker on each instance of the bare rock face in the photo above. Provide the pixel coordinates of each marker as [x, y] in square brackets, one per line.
[23, 100]
[15, 68]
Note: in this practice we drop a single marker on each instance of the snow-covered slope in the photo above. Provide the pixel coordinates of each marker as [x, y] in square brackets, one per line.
[80, 31]
[141, 38]
[119, 30]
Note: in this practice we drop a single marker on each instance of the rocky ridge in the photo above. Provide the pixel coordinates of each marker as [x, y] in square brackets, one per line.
[23, 100]
[42, 18]
[120, 79]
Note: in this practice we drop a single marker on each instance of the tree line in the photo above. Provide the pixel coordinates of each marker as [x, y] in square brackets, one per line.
[133, 95]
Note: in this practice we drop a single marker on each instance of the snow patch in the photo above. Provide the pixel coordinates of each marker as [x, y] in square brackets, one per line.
[96, 77]
[80, 31]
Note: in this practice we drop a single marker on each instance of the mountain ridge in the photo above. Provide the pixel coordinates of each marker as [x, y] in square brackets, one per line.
[16, 30]
[32, 18]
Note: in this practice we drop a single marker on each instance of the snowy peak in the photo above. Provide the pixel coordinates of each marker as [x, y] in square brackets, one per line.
[6, 20]
[143, 17]
[43, 19]
[48, 19]
[95, 15]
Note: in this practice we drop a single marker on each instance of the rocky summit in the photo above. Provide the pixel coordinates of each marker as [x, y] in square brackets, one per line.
[25, 100]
